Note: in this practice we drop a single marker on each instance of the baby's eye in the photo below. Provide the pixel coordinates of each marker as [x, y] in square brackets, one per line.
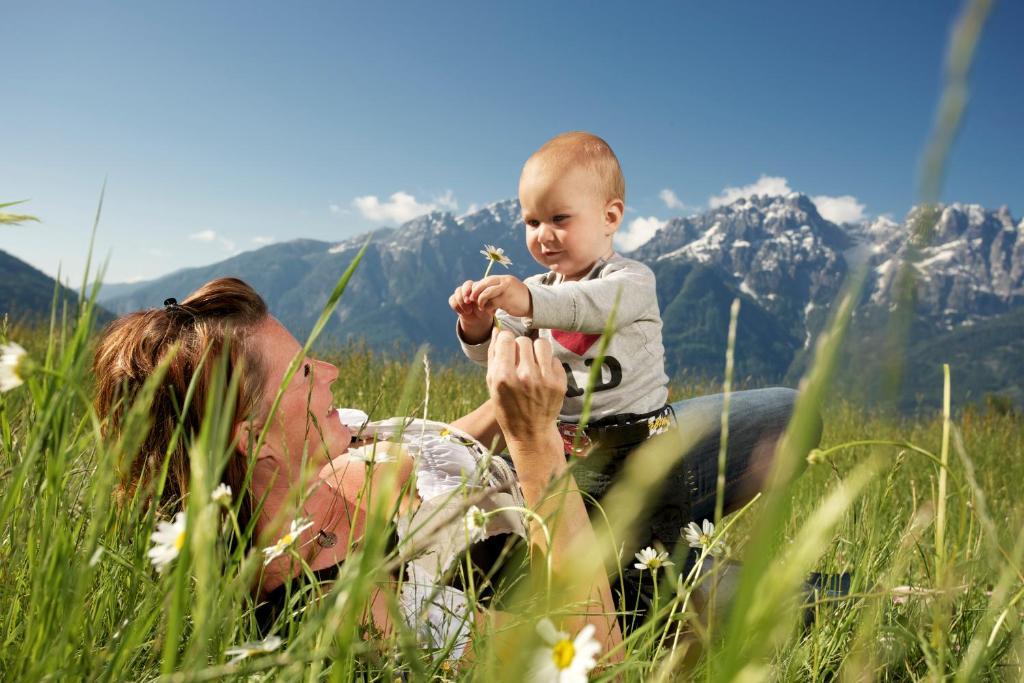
[561, 217]
[533, 223]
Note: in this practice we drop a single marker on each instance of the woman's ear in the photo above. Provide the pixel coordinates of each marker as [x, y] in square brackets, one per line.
[245, 434]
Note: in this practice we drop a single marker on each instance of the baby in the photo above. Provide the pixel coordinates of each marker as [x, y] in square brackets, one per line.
[572, 195]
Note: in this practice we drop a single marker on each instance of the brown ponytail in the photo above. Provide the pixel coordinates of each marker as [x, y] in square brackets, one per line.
[132, 347]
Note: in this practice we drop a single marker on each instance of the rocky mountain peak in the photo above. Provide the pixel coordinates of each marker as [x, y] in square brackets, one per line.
[971, 267]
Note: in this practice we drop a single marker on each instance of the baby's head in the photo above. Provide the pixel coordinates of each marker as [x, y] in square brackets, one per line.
[573, 196]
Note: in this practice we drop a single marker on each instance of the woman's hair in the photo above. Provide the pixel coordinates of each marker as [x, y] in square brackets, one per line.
[222, 314]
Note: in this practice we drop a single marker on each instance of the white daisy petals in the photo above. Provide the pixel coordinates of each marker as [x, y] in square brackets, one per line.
[564, 660]
[652, 560]
[221, 495]
[496, 254]
[703, 536]
[168, 540]
[240, 652]
[12, 371]
[476, 524]
[275, 551]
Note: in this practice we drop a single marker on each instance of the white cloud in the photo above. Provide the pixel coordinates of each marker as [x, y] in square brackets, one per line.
[203, 236]
[261, 240]
[770, 185]
[338, 210]
[638, 232]
[844, 209]
[671, 200]
[211, 236]
[472, 208]
[402, 206]
[447, 201]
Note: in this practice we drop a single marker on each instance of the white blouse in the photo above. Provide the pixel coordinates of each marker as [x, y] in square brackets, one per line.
[453, 471]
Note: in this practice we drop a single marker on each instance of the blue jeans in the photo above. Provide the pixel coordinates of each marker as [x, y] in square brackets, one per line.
[757, 420]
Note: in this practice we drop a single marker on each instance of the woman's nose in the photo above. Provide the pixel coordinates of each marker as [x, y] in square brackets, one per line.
[328, 371]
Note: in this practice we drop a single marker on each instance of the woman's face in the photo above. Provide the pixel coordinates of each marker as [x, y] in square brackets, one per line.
[306, 423]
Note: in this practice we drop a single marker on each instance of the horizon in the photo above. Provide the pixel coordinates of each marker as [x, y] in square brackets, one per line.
[219, 130]
[458, 216]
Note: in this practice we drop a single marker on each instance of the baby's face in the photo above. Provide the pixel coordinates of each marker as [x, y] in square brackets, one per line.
[569, 225]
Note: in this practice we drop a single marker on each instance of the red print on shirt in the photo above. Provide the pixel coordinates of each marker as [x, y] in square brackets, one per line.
[577, 342]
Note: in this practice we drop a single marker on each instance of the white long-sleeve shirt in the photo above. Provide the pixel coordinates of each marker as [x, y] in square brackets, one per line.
[572, 316]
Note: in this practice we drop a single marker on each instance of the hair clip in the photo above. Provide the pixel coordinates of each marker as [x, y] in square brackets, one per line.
[170, 302]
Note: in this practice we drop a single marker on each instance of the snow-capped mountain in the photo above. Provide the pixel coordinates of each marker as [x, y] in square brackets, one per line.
[971, 268]
[778, 254]
[777, 250]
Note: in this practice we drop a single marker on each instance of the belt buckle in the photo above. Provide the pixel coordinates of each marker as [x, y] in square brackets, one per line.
[572, 446]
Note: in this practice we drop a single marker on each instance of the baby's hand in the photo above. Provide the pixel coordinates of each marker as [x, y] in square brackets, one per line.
[505, 292]
[474, 322]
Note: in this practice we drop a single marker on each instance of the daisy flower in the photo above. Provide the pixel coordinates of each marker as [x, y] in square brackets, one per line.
[275, 551]
[445, 434]
[12, 370]
[240, 652]
[168, 540]
[476, 524]
[563, 660]
[651, 559]
[221, 495]
[702, 536]
[494, 255]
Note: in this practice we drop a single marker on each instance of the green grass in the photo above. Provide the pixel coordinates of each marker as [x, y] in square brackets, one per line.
[62, 617]
[924, 514]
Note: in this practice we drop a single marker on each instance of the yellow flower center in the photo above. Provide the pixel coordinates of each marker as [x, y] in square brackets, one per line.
[563, 653]
[286, 540]
[179, 542]
[705, 540]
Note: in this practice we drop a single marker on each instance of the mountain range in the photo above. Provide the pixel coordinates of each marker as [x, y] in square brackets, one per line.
[27, 294]
[777, 254]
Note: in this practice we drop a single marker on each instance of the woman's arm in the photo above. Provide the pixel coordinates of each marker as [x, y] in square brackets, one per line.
[527, 386]
[483, 426]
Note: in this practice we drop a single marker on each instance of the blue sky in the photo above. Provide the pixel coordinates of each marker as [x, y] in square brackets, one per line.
[221, 126]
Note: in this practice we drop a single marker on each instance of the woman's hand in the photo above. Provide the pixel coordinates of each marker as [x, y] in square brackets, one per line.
[527, 387]
[526, 384]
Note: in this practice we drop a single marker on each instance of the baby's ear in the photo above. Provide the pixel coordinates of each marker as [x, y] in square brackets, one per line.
[614, 210]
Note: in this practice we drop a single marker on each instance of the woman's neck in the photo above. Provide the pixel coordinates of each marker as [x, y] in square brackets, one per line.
[325, 543]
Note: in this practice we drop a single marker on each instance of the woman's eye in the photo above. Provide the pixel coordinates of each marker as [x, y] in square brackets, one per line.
[306, 369]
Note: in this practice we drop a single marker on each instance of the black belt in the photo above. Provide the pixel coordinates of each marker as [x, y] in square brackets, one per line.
[626, 429]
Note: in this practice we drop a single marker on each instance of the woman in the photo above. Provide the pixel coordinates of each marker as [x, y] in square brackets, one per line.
[305, 435]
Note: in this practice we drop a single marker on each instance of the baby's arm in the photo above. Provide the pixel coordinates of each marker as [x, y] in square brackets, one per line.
[476, 321]
[584, 306]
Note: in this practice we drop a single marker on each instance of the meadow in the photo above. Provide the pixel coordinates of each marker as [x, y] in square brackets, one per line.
[922, 513]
